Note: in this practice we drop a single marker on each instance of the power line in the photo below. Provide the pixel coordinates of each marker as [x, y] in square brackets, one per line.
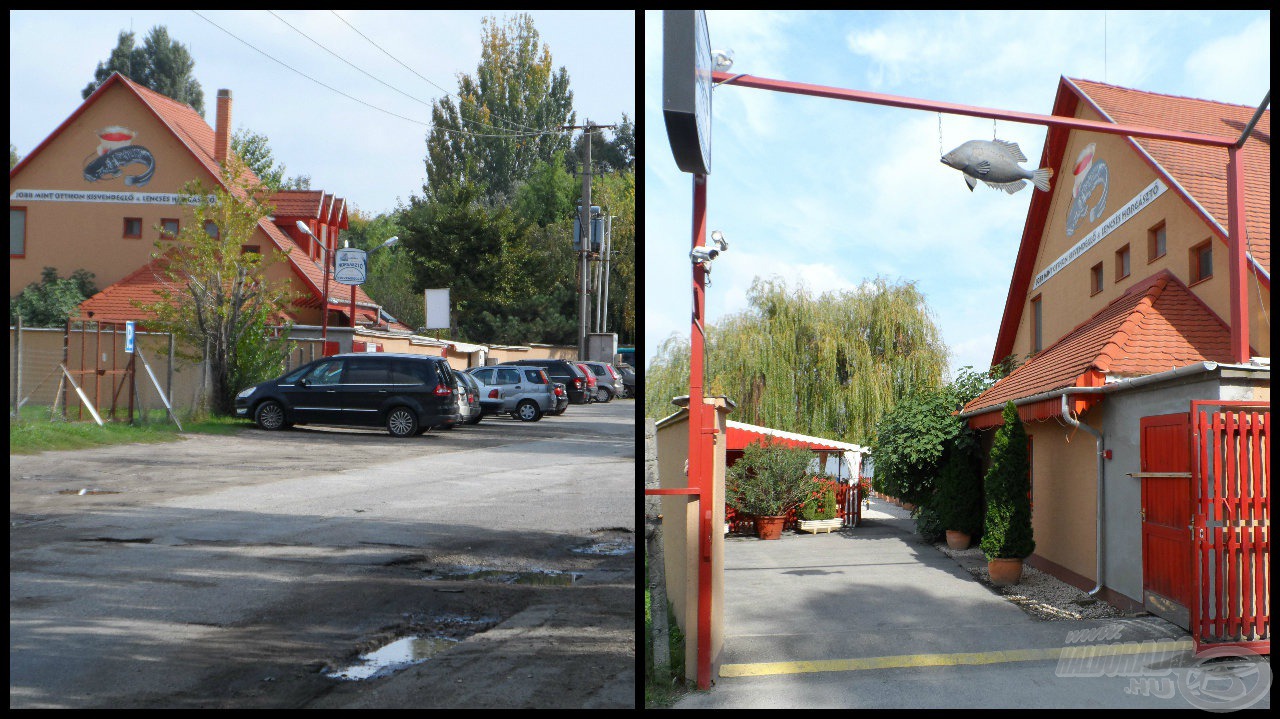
[415, 72]
[349, 97]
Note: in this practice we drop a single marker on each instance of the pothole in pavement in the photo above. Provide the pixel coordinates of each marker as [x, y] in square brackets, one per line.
[388, 656]
[538, 577]
[615, 541]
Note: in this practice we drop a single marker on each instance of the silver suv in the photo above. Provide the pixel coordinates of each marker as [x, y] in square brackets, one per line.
[527, 392]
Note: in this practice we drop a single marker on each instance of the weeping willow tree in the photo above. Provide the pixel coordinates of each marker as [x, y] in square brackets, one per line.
[828, 366]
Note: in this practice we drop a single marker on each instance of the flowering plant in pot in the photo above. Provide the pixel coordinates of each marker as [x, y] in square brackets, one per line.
[771, 478]
[819, 512]
[1006, 533]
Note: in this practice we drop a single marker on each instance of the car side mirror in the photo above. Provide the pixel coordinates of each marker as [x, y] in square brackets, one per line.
[302, 382]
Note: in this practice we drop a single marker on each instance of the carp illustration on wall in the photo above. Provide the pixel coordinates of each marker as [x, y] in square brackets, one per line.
[115, 152]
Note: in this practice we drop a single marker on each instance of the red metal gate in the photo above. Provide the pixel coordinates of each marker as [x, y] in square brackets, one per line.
[1230, 603]
[1165, 450]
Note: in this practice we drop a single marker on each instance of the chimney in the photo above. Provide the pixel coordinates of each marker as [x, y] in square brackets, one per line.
[222, 131]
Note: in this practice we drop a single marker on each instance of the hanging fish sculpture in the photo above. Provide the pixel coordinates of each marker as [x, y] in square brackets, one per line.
[995, 162]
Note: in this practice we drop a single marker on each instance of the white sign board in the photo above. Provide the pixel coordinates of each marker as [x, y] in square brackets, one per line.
[128, 337]
[1121, 216]
[128, 198]
[437, 307]
[349, 266]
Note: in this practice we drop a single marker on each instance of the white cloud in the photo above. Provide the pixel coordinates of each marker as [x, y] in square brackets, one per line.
[1234, 69]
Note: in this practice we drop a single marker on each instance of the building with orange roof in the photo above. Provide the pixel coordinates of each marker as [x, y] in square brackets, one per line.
[102, 189]
[1120, 303]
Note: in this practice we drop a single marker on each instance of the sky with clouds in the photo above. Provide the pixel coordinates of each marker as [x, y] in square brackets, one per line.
[366, 156]
[828, 194]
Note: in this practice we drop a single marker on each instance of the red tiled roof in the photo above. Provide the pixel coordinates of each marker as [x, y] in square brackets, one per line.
[1157, 325]
[1201, 170]
[297, 203]
[1196, 173]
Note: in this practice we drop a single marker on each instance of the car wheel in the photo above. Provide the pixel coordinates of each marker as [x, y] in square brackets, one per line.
[270, 416]
[603, 395]
[527, 411]
[402, 422]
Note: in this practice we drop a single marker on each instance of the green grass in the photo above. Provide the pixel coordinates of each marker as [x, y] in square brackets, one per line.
[34, 432]
[663, 686]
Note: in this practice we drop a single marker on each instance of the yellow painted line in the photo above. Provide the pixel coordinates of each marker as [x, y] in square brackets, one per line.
[761, 669]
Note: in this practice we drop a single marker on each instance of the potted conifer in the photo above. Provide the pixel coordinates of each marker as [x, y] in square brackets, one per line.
[771, 478]
[1006, 534]
[959, 498]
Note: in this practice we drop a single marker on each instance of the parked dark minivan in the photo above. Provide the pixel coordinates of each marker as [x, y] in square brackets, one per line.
[408, 394]
[575, 383]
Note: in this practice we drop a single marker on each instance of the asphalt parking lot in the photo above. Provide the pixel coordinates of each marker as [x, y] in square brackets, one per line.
[246, 571]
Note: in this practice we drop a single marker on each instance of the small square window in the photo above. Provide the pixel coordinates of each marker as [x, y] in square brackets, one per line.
[1155, 243]
[246, 249]
[1095, 279]
[133, 227]
[168, 228]
[1122, 263]
[211, 229]
[1202, 262]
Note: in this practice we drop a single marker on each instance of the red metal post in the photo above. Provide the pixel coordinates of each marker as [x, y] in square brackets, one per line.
[700, 469]
[1235, 257]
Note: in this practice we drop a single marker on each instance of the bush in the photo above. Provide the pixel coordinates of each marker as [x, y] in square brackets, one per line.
[822, 505]
[770, 479]
[928, 524]
[1007, 527]
[959, 498]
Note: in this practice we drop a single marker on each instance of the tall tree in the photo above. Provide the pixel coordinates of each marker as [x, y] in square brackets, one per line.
[508, 116]
[216, 298]
[255, 150]
[13, 155]
[50, 302]
[161, 64]
[613, 154]
[826, 366]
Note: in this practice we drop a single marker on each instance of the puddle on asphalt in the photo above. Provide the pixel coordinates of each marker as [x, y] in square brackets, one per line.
[86, 490]
[540, 577]
[397, 655]
[614, 548]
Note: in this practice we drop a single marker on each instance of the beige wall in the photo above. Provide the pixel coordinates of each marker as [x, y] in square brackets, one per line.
[1064, 495]
[680, 531]
[1066, 298]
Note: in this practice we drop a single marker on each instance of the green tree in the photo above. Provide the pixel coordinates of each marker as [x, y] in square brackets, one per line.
[549, 194]
[829, 366]
[53, 300]
[959, 497]
[255, 151]
[161, 64]
[770, 478]
[13, 156]
[617, 154]
[509, 114]
[217, 299]
[1007, 527]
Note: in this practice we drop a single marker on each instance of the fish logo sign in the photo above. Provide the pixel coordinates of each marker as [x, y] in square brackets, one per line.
[1090, 175]
[995, 162]
[116, 152]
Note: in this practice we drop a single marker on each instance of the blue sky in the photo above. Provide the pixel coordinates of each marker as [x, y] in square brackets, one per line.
[829, 194]
[361, 154]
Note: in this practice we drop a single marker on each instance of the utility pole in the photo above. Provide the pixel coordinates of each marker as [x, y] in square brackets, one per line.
[584, 249]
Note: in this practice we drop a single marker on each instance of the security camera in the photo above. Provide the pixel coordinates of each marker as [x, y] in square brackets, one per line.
[718, 237]
[702, 253]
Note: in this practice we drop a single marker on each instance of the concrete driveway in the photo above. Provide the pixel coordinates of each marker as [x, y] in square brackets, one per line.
[874, 617]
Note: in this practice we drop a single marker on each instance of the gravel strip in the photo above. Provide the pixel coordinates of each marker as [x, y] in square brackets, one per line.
[1041, 595]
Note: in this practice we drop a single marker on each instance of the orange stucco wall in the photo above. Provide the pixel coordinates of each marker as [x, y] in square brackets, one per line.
[1066, 298]
[90, 235]
[1064, 487]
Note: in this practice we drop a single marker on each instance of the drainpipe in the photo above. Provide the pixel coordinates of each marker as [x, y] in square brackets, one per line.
[1066, 414]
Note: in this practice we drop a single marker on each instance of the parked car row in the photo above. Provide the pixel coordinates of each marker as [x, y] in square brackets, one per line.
[410, 394]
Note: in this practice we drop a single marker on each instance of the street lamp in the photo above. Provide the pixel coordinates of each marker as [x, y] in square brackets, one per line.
[324, 312]
[378, 315]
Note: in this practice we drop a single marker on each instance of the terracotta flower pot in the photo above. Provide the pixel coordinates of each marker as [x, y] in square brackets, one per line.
[770, 527]
[908, 506]
[1005, 572]
[957, 540]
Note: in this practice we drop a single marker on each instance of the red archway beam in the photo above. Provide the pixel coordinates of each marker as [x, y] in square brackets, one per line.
[1238, 321]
